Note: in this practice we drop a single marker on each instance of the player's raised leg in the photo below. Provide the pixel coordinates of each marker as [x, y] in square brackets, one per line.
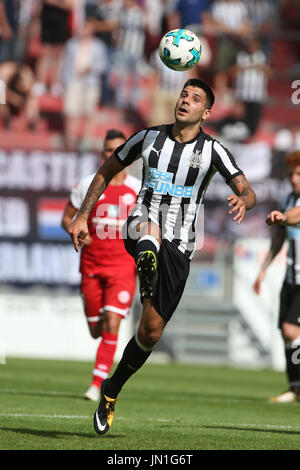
[146, 253]
[136, 353]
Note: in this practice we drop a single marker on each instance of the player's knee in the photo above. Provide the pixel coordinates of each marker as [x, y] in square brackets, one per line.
[149, 335]
[95, 331]
[112, 324]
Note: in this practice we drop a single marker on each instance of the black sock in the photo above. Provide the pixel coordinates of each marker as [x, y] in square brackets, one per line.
[293, 366]
[133, 358]
[146, 243]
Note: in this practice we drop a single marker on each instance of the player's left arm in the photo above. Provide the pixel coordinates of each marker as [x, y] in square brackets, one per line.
[243, 199]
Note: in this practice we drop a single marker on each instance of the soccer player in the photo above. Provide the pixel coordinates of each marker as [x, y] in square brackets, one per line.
[289, 318]
[108, 272]
[179, 161]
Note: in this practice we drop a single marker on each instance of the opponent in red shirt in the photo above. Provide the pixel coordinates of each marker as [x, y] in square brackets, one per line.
[108, 272]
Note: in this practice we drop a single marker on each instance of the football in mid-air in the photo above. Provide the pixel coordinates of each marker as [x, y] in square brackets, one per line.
[180, 49]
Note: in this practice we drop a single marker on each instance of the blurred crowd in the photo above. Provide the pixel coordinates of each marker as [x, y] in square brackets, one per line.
[93, 54]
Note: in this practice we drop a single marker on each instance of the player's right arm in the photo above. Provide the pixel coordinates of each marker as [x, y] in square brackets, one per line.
[68, 215]
[290, 217]
[277, 242]
[78, 229]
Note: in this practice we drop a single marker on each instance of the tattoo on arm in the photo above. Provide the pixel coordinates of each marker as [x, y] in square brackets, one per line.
[242, 188]
[97, 187]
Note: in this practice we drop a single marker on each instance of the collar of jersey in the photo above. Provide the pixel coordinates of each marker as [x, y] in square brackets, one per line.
[170, 135]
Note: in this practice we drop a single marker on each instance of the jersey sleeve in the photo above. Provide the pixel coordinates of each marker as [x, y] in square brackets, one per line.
[79, 191]
[132, 149]
[224, 162]
[76, 196]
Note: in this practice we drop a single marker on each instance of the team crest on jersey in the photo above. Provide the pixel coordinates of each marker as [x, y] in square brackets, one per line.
[196, 159]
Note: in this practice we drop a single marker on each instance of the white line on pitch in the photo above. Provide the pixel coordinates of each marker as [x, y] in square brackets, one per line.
[74, 395]
[249, 425]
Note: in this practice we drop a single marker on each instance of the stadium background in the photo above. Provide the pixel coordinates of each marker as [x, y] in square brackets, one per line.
[219, 320]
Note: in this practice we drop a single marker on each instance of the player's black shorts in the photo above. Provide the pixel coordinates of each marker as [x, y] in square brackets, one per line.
[289, 304]
[173, 270]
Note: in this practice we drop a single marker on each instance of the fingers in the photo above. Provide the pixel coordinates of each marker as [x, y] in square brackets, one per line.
[256, 287]
[75, 241]
[238, 206]
[274, 217]
[77, 237]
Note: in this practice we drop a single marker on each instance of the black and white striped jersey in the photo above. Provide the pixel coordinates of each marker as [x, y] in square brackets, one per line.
[175, 178]
[251, 81]
[131, 39]
[293, 235]
[232, 14]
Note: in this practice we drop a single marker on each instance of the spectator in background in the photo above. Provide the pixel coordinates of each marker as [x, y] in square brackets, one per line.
[233, 127]
[54, 25]
[182, 13]
[130, 55]
[154, 11]
[84, 63]
[263, 16]
[289, 14]
[251, 74]
[106, 21]
[9, 30]
[19, 101]
[227, 21]
[26, 19]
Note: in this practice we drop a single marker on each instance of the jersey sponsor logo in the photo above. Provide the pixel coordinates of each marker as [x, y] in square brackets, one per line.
[161, 183]
[196, 159]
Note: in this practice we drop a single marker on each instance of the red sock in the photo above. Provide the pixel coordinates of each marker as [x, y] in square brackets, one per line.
[104, 357]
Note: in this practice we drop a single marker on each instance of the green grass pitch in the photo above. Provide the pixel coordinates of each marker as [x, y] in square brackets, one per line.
[163, 407]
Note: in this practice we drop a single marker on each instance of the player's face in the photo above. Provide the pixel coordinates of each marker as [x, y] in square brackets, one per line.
[191, 106]
[294, 177]
[110, 146]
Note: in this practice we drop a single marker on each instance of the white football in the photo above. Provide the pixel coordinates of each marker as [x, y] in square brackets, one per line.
[180, 49]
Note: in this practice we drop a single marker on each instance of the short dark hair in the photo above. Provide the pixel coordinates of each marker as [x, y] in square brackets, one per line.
[196, 82]
[114, 134]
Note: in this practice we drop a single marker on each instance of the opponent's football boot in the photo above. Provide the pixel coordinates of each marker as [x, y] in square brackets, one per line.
[147, 272]
[92, 393]
[104, 414]
[290, 396]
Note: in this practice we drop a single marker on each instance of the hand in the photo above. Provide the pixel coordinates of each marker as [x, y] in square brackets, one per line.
[276, 217]
[86, 241]
[258, 281]
[238, 205]
[78, 230]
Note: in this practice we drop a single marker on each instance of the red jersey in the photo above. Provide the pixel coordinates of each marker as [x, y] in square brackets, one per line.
[105, 224]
